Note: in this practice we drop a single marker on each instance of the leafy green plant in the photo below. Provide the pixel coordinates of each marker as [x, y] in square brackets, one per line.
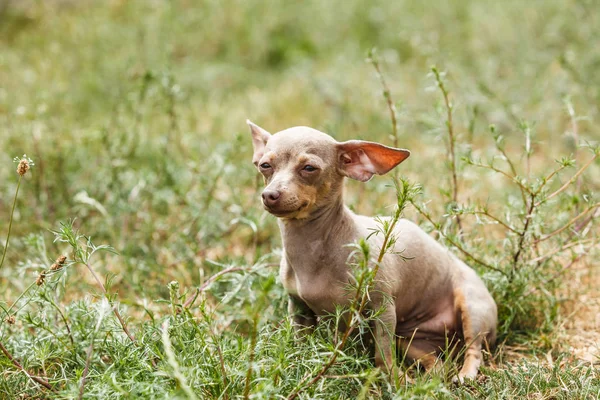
[523, 270]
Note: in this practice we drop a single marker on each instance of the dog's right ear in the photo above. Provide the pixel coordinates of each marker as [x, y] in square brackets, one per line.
[260, 137]
[361, 160]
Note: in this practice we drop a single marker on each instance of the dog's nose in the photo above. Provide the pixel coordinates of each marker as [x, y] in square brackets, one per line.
[270, 197]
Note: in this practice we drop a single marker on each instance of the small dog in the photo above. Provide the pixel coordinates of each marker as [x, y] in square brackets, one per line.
[428, 295]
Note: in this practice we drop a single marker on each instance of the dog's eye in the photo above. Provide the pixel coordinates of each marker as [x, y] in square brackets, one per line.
[309, 168]
[265, 165]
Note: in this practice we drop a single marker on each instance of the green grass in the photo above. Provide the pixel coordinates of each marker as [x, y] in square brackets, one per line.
[134, 114]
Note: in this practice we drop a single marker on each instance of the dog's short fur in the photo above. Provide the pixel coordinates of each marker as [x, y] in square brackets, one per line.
[431, 295]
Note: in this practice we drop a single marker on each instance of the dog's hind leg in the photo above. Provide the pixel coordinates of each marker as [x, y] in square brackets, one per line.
[422, 353]
[477, 310]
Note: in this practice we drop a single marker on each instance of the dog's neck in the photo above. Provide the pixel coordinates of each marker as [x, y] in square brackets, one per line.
[319, 239]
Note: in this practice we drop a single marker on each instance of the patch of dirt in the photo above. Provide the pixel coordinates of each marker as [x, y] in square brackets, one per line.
[582, 325]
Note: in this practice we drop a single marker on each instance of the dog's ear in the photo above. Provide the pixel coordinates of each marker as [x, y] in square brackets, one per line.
[260, 137]
[361, 160]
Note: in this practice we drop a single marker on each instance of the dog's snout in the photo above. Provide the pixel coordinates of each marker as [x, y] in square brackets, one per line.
[270, 197]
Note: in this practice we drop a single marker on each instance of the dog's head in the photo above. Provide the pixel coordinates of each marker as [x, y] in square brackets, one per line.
[304, 168]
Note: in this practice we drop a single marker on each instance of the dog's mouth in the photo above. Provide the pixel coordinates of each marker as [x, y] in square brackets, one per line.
[294, 213]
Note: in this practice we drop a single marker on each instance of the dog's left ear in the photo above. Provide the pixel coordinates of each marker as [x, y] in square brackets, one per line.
[361, 160]
[260, 137]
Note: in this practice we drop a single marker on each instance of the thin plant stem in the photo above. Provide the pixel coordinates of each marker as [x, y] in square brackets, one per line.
[570, 181]
[451, 138]
[514, 172]
[86, 370]
[114, 308]
[221, 364]
[90, 352]
[556, 275]
[455, 244]
[8, 311]
[575, 132]
[251, 357]
[561, 249]
[528, 150]
[528, 217]
[498, 220]
[512, 178]
[388, 96]
[12, 213]
[581, 227]
[571, 222]
[550, 176]
[64, 318]
[188, 303]
[20, 297]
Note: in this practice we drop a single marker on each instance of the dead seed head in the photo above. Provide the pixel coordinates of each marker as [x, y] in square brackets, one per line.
[41, 279]
[10, 320]
[60, 262]
[25, 164]
[23, 167]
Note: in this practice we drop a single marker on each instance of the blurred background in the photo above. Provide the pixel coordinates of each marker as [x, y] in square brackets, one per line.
[134, 113]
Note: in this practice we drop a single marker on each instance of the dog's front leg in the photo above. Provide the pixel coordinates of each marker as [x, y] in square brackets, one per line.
[385, 331]
[303, 318]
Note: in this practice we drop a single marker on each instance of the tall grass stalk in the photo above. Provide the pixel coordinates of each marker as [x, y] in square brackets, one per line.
[451, 137]
[12, 213]
[387, 94]
[25, 165]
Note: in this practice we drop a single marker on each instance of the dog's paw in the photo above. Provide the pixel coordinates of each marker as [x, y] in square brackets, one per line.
[462, 378]
[468, 379]
[403, 378]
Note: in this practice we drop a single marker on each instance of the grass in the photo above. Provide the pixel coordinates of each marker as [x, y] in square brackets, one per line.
[133, 113]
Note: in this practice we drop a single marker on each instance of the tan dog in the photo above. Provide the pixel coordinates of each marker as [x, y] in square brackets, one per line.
[432, 295]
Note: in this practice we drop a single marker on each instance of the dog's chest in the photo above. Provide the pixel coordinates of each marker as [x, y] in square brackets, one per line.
[322, 294]
[317, 279]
